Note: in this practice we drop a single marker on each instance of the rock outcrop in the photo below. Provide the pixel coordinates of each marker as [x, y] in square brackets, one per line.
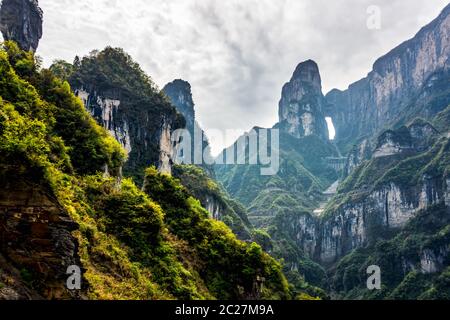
[180, 95]
[37, 245]
[302, 103]
[361, 222]
[21, 21]
[359, 153]
[401, 82]
[305, 152]
[131, 108]
[418, 136]
[404, 175]
[393, 142]
[144, 143]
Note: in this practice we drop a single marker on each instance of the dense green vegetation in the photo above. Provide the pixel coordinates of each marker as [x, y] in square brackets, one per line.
[42, 97]
[405, 169]
[274, 202]
[229, 265]
[403, 255]
[113, 74]
[201, 186]
[298, 185]
[158, 243]
[400, 261]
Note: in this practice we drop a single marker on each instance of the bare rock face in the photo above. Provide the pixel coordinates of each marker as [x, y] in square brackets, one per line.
[180, 95]
[392, 143]
[37, 245]
[21, 21]
[302, 103]
[402, 84]
[358, 154]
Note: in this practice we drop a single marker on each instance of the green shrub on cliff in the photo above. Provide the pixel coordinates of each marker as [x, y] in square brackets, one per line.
[157, 244]
[229, 263]
[42, 96]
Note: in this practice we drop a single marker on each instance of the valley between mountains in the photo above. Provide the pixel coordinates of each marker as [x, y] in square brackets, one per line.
[92, 176]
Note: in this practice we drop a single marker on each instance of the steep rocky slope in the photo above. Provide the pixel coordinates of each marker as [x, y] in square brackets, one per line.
[180, 95]
[398, 88]
[21, 21]
[302, 103]
[125, 101]
[304, 173]
[392, 128]
[199, 179]
[304, 147]
[214, 199]
[396, 177]
[380, 196]
[36, 238]
[59, 208]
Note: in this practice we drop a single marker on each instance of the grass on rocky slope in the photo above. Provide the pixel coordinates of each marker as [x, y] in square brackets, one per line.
[400, 261]
[153, 244]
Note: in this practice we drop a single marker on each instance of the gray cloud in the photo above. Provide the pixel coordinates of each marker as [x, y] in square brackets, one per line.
[236, 54]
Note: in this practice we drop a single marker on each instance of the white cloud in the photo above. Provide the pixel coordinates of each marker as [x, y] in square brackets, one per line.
[236, 54]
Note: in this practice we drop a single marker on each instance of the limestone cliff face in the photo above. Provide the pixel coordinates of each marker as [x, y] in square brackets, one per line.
[418, 136]
[390, 90]
[180, 95]
[358, 154]
[146, 139]
[360, 222]
[390, 187]
[21, 21]
[392, 143]
[36, 244]
[302, 103]
[306, 155]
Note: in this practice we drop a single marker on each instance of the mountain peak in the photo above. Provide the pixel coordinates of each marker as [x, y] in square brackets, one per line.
[21, 21]
[302, 103]
[180, 95]
[308, 71]
[179, 84]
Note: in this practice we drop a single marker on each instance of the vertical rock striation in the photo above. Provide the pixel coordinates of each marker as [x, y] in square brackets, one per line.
[36, 239]
[124, 100]
[21, 21]
[399, 87]
[180, 96]
[146, 142]
[302, 103]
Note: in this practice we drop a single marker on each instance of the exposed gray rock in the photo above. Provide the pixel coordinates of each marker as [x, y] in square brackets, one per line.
[359, 153]
[393, 142]
[416, 137]
[302, 103]
[447, 193]
[134, 133]
[180, 95]
[387, 94]
[422, 134]
[21, 21]
[358, 223]
[432, 262]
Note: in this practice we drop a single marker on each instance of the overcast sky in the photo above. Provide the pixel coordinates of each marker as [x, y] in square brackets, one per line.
[237, 54]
